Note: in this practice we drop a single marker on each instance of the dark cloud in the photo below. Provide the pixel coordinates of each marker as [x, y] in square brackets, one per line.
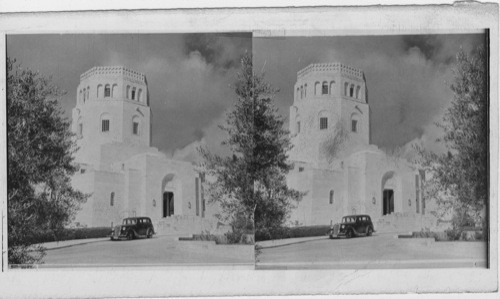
[214, 48]
[429, 45]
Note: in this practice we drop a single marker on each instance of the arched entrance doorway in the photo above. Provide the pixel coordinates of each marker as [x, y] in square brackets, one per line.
[168, 204]
[390, 192]
[171, 196]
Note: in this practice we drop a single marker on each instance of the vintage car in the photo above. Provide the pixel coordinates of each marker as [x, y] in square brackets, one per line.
[133, 227]
[352, 226]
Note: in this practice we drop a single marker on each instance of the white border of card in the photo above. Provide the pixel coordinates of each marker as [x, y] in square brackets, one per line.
[322, 20]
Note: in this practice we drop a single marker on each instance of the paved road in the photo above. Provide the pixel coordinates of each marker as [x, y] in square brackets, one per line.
[158, 251]
[377, 251]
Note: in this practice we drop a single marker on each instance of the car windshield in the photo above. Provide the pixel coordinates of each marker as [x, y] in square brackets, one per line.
[129, 221]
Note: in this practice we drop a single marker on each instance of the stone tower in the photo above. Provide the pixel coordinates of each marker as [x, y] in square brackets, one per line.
[112, 108]
[330, 115]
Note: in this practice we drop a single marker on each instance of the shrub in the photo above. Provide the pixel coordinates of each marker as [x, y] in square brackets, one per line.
[293, 232]
[71, 234]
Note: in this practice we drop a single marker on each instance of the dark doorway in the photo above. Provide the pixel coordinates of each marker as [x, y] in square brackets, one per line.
[388, 202]
[168, 204]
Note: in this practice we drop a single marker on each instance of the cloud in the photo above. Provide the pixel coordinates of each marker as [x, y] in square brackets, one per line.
[408, 77]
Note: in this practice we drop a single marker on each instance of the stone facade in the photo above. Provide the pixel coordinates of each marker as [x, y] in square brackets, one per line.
[335, 163]
[123, 173]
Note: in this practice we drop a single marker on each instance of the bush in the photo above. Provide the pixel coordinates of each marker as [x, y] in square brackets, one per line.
[71, 234]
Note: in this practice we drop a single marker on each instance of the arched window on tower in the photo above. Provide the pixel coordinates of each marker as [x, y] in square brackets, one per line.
[80, 96]
[114, 91]
[112, 199]
[99, 91]
[301, 91]
[351, 91]
[324, 89]
[136, 122]
[80, 128]
[133, 94]
[107, 91]
[88, 92]
[317, 87]
[331, 197]
[139, 95]
[84, 94]
[128, 92]
[355, 123]
[298, 92]
[305, 90]
[346, 86]
[358, 95]
[332, 87]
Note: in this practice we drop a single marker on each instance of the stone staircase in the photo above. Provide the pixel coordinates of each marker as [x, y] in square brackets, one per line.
[186, 225]
[406, 222]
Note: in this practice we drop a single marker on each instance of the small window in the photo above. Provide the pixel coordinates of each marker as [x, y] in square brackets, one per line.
[133, 94]
[324, 88]
[331, 197]
[305, 90]
[112, 199]
[301, 92]
[105, 125]
[80, 130]
[332, 86]
[298, 127]
[114, 91]
[323, 123]
[317, 86]
[351, 91]
[298, 92]
[99, 91]
[358, 88]
[301, 169]
[354, 125]
[107, 91]
[139, 95]
[135, 128]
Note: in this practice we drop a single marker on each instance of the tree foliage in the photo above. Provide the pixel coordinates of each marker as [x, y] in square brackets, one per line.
[251, 183]
[40, 149]
[460, 177]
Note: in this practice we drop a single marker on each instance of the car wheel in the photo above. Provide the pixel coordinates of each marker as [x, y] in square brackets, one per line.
[130, 235]
[369, 231]
[149, 234]
[349, 234]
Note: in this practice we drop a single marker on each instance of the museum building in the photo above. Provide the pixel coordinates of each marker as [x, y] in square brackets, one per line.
[334, 161]
[126, 176]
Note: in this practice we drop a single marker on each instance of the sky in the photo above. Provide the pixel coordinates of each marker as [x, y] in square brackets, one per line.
[190, 75]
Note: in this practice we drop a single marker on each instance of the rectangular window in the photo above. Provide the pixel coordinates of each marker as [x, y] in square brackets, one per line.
[301, 169]
[135, 128]
[133, 94]
[323, 123]
[197, 192]
[417, 193]
[105, 125]
[354, 125]
[107, 92]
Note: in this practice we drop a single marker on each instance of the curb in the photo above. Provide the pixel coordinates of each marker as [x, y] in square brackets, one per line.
[75, 244]
[284, 242]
